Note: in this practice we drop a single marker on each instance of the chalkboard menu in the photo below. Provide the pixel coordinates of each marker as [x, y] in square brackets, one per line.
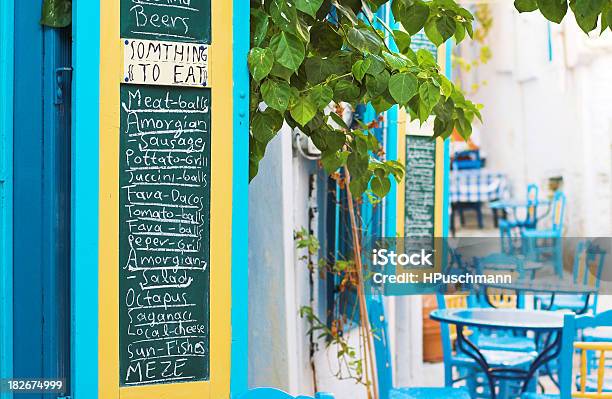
[420, 186]
[176, 20]
[164, 234]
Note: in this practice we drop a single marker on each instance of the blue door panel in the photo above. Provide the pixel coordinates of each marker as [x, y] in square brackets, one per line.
[41, 198]
[27, 193]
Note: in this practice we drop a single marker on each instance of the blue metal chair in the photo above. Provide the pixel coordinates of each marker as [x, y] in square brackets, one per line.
[509, 225]
[532, 238]
[273, 393]
[587, 386]
[587, 270]
[384, 367]
[466, 367]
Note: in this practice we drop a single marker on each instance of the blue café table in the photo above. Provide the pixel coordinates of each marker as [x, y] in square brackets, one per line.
[550, 287]
[538, 321]
[514, 204]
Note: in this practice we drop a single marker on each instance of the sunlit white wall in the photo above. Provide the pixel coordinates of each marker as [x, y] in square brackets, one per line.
[548, 111]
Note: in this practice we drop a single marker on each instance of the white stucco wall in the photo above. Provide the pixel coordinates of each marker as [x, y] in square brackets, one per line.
[547, 117]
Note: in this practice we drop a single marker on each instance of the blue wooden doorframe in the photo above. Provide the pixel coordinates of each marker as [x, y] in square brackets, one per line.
[41, 197]
[6, 196]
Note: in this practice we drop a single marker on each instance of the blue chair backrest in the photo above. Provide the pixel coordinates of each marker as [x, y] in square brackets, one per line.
[558, 211]
[531, 219]
[588, 264]
[571, 325]
[273, 393]
[492, 262]
[382, 350]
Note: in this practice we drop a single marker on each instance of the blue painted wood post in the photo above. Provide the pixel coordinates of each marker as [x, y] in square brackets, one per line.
[390, 228]
[240, 195]
[446, 198]
[6, 194]
[85, 156]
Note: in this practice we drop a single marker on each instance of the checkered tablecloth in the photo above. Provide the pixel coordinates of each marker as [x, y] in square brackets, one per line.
[477, 185]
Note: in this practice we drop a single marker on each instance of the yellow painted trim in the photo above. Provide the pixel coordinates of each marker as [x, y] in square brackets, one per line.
[108, 273]
[403, 118]
[221, 213]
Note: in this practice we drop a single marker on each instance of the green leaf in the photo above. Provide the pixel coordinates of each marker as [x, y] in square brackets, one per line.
[309, 7]
[589, 7]
[276, 94]
[399, 7]
[525, 5]
[446, 87]
[349, 9]
[459, 32]
[358, 185]
[383, 102]
[303, 111]
[586, 23]
[446, 26]
[377, 65]
[284, 15]
[345, 90]
[324, 39]
[415, 16]
[256, 153]
[402, 40]
[364, 40]
[553, 10]
[376, 85]
[260, 62]
[265, 125]
[321, 96]
[442, 128]
[338, 121]
[425, 58]
[335, 140]
[332, 161]
[288, 50]
[403, 86]
[360, 68]
[432, 33]
[259, 23]
[587, 12]
[281, 72]
[358, 164]
[380, 185]
[606, 18]
[56, 13]
[429, 95]
[395, 61]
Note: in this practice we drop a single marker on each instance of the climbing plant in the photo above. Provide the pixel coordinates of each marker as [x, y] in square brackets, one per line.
[586, 12]
[308, 54]
[56, 13]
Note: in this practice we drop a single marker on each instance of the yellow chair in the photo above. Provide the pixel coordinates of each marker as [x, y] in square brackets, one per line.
[589, 385]
[595, 385]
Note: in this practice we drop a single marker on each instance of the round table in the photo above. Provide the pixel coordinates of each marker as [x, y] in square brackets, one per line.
[539, 321]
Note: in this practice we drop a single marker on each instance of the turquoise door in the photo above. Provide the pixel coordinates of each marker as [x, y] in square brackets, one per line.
[40, 198]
